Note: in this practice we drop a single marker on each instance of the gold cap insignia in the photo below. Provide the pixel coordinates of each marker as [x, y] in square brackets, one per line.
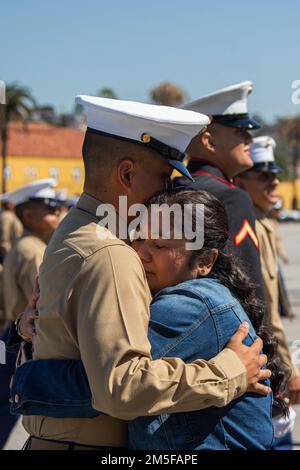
[269, 143]
[146, 138]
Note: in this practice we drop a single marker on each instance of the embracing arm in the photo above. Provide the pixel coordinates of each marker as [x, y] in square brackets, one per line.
[125, 382]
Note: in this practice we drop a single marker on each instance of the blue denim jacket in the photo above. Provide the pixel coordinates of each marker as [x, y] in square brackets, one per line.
[192, 320]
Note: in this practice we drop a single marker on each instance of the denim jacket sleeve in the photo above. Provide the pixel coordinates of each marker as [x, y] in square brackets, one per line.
[55, 388]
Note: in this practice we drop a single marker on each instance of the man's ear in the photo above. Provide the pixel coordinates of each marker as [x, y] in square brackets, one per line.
[207, 141]
[201, 141]
[125, 172]
[207, 262]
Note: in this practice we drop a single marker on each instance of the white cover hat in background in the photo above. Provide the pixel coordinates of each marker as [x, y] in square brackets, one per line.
[262, 154]
[41, 189]
[62, 194]
[228, 106]
[165, 129]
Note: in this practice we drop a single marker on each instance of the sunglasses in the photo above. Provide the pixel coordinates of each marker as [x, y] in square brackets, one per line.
[263, 176]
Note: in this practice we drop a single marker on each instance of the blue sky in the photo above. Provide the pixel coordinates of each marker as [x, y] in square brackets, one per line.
[62, 48]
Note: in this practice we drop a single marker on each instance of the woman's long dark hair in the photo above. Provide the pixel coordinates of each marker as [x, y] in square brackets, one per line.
[228, 270]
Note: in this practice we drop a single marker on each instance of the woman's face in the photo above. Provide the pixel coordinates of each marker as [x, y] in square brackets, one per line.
[166, 262]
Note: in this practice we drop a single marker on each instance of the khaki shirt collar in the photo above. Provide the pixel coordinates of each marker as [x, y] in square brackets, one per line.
[29, 233]
[90, 204]
[263, 219]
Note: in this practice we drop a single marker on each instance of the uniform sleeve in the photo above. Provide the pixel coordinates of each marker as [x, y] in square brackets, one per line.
[243, 241]
[112, 327]
[16, 230]
[27, 273]
[5, 242]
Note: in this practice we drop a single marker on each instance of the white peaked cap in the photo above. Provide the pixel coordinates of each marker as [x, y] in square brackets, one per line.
[130, 120]
[262, 149]
[62, 194]
[262, 154]
[227, 102]
[41, 189]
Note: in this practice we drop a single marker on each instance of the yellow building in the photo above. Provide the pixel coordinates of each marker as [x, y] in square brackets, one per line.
[287, 189]
[41, 151]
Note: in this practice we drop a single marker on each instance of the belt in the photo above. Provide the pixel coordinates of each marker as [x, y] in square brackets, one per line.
[36, 443]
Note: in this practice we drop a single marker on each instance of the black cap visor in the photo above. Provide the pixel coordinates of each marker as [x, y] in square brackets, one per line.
[267, 167]
[241, 121]
[181, 168]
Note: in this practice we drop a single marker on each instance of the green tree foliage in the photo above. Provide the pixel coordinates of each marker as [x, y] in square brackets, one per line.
[167, 94]
[19, 106]
[108, 93]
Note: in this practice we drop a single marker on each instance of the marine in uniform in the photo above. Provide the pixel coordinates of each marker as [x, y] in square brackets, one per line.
[219, 154]
[261, 183]
[10, 230]
[94, 298]
[10, 227]
[284, 301]
[36, 207]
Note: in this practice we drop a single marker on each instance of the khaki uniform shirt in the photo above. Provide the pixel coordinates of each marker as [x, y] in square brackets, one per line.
[20, 270]
[269, 264]
[94, 306]
[11, 229]
[279, 245]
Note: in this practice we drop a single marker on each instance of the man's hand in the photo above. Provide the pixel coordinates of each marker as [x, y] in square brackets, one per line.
[252, 360]
[293, 388]
[26, 325]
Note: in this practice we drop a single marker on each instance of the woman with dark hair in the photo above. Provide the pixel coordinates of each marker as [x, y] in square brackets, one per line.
[200, 298]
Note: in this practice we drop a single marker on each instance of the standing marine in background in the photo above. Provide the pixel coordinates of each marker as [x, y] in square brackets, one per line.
[285, 307]
[261, 182]
[10, 230]
[217, 155]
[37, 210]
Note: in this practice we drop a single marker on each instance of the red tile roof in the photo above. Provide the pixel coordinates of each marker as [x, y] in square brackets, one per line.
[43, 140]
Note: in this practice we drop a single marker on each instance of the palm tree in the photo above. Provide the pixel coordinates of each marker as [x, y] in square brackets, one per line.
[19, 107]
[108, 93]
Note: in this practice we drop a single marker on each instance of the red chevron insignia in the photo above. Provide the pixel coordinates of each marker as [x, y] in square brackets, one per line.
[246, 231]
